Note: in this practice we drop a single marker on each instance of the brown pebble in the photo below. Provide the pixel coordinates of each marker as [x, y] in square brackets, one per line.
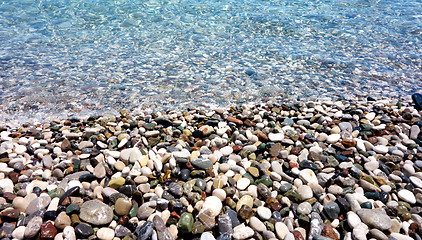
[234, 120]
[14, 177]
[328, 231]
[10, 214]
[262, 137]
[48, 231]
[237, 148]
[297, 235]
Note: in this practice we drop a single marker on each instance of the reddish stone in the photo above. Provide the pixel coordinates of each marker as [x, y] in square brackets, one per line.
[237, 148]
[348, 142]
[174, 214]
[48, 231]
[413, 227]
[276, 206]
[328, 231]
[234, 120]
[10, 214]
[296, 151]
[348, 153]
[214, 148]
[9, 196]
[210, 172]
[249, 123]
[14, 176]
[123, 220]
[262, 137]
[297, 235]
[293, 164]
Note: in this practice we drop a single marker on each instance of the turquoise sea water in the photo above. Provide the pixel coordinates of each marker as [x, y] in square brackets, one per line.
[63, 57]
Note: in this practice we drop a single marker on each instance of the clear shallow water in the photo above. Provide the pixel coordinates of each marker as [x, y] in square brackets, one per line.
[61, 57]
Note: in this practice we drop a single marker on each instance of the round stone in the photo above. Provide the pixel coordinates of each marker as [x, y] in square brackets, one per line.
[375, 218]
[256, 224]
[243, 183]
[105, 233]
[281, 230]
[96, 212]
[122, 206]
[304, 208]
[264, 213]
[407, 196]
[305, 192]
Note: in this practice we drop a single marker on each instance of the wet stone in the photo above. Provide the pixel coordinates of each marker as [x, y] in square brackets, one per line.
[84, 230]
[96, 212]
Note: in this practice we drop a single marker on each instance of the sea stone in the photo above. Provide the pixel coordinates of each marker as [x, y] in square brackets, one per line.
[375, 218]
[201, 163]
[62, 220]
[34, 225]
[122, 206]
[276, 137]
[6, 185]
[214, 204]
[308, 176]
[256, 224]
[281, 229]
[407, 196]
[105, 233]
[69, 233]
[241, 232]
[48, 230]
[96, 212]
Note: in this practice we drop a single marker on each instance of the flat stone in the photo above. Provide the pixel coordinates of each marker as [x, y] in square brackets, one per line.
[242, 232]
[7, 185]
[202, 163]
[333, 138]
[96, 212]
[256, 224]
[105, 233]
[185, 223]
[281, 230]
[62, 220]
[84, 230]
[375, 218]
[69, 233]
[381, 149]
[276, 137]
[99, 170]
[304, 208]
[122, 206]
[308, 176]
[243, 183]
[305, 192]
[264, 213]
[48, 230]
[33, 227]
[407, 196]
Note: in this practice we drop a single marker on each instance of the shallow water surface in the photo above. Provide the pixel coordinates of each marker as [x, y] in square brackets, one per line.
[62, 57]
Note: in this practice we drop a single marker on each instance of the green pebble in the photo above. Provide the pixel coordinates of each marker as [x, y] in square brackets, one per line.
[196, 189]
[77, 165]
[198, 228]
[269, 226]
[72, 208]
[265, 180]
[134, 210]
[366, 204]
[284, 211]
[58, 192]
[185, 223]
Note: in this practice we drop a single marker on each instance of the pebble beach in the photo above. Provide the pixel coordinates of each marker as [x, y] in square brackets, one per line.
[316, 170]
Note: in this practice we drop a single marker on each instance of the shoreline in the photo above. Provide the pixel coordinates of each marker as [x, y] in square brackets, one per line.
[308, 170]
